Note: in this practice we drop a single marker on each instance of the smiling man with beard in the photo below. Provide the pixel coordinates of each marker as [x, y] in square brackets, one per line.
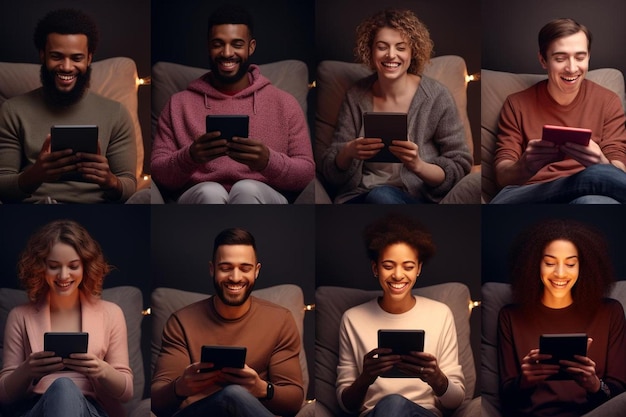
[270, 382]
[273, 164]
[29, 171]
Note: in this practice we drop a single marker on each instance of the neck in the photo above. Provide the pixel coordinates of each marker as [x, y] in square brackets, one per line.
[396, 306]
[561, 98]
[393, 89]
[556, 303]
[231, 87]
[64, 304]
[231, 312]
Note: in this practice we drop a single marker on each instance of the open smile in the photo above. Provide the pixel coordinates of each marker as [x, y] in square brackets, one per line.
[559, 284]
[571, 78]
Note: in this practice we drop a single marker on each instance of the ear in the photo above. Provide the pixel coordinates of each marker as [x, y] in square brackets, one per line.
[375, 269]
[256, 272]
[212, 269]
[543, 62]
[42, 56]
[252, 46]
[419, 268]
[89, 58]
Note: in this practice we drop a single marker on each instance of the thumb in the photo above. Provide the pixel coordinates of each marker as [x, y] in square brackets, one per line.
[589, 342]
[45, 148]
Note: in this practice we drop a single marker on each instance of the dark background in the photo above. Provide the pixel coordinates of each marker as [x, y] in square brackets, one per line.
[123, 232]
[124, 31]
[502, 223]
[341, 258]
[182, 244]
[510, 32]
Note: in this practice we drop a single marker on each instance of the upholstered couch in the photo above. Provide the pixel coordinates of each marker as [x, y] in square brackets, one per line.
[131, 302]
[332, 302]
[496, 86]
[496, 295]
[334, 78]
[168, 78]
[165, 301]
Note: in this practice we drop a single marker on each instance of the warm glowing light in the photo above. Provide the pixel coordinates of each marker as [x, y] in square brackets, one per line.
[472, 77]
[309, 307]
[473, 305]
[144, 81]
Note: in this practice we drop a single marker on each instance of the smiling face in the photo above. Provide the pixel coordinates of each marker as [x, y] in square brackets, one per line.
[230, 47]
[66, 57]
[397, 269]
[234, 271]
[64, 271]
[559, 272]
[567, 62]
[391, 53]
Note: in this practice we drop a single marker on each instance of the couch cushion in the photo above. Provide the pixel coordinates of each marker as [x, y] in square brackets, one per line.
[336, 77]
[113, 78]
[332, 302]
[496, 86]
[166, 301]
[130, 301]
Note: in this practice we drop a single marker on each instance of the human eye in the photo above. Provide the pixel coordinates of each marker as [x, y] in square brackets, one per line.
[225, 268]
[239, 44]
[388, 265]
[246, 268]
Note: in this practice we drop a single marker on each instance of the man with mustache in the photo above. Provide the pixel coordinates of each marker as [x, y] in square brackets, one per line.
[532, 170]
[270, 166]
[29, 170]
[270, 382]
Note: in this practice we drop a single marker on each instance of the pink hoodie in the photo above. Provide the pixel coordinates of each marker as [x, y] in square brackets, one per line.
[275, 118]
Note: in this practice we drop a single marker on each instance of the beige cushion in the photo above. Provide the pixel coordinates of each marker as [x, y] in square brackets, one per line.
[130, 301]
[168, 78]
[166, 301]
[332, 302]
[495, 87]
[113, 78]
[496, 295]
[334, 78]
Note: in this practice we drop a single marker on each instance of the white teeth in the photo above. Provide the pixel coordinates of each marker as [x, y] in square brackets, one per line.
[234, 287]
[391, 64]
[398, 286]
[559, 283]
[66, 77]
[64, 284]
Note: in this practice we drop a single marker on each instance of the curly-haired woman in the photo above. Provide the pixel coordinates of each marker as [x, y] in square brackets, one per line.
[561, 272]
[435, 156]
[62, 269]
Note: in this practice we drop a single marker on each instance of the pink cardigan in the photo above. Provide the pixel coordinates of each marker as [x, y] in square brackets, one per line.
[103, 320]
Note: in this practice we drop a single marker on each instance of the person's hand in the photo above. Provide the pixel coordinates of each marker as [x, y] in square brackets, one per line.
[48, 167]
[193, 381]
[585, 155]
[207, 147]
[87, 364]
[246, 377]
[373, 366]
[407, 152]
[539, 153]
[95, 168]
[39, 364]
[583, 370]
[250, 152]
[425, 367]
[364, 148]
[533, 371]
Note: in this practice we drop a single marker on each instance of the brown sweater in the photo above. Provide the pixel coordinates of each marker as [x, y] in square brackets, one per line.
[519, 333]
[267, 330]
[524, 114]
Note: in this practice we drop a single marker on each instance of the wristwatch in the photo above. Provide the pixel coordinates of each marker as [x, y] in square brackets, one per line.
[605, 389]
[270, 391]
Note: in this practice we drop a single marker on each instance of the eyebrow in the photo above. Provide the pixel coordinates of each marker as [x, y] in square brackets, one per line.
[232, 263]
[565, 53]
[554, 257]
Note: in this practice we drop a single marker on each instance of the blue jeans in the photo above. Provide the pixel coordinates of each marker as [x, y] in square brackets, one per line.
[63, 398]
[232, 401]
[395, 405]
[384, 194]
[597, 184]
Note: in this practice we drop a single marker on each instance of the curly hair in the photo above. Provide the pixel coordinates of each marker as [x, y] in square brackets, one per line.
[396, 228]
[66, 22]
[407, 24]
[231, 15]
[595, 277]
[32, 261]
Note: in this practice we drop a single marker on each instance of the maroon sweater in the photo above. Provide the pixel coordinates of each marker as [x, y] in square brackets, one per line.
[519, 333]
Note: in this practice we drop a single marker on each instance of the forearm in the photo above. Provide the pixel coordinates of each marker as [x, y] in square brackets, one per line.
[432, 174]
[16, 384]
[29, 180]
[510, 172]
[287, 400]
[354, 396]
[115, 383]
[164, 399]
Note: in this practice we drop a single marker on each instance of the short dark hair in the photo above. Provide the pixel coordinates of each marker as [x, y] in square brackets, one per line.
[66, 22]
[233, 236]
[396, 228]
[560, 28]
[231, 15]
[595, 276]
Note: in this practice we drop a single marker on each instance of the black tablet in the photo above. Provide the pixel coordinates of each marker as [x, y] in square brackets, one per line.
[401, 342]
[228, 125]
[65, 343]
[560, 135]
[223, 357]
[78, 138]
[562, 347]
[388, 127]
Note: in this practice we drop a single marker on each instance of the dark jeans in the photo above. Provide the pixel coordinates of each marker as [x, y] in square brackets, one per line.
[232, 401]
[384, 194]
[395, 405]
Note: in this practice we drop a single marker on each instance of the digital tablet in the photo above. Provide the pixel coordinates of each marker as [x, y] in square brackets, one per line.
[223, 357]
[562, 347]
[388, 127]
[401, 342]
[560, 135]
[78, 138]
[228, 125]
[65, 343]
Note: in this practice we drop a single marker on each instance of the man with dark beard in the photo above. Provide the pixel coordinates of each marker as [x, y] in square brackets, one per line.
[271, 381]
[201, 167]
[29, 171]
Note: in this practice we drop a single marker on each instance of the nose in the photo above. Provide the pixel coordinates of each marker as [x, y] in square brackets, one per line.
[66, 65]
[227, 51]
[559, 270]
[65, 273]
[572, 65]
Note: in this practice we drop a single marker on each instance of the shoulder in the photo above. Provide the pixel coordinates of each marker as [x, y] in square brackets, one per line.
[595, 90]
[22, 310]
[193, 310]
[432, 305]
[434, 87]
[96, 100]
[362, 310]
[267, 309]
[612, 306]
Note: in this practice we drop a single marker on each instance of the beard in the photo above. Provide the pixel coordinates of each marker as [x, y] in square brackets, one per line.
[60, 98]
[223, 79]
[232, 301]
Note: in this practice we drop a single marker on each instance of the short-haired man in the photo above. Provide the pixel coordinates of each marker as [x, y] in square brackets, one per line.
[29, 171]
[273, 164]
[532, 170]
[271, 381]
